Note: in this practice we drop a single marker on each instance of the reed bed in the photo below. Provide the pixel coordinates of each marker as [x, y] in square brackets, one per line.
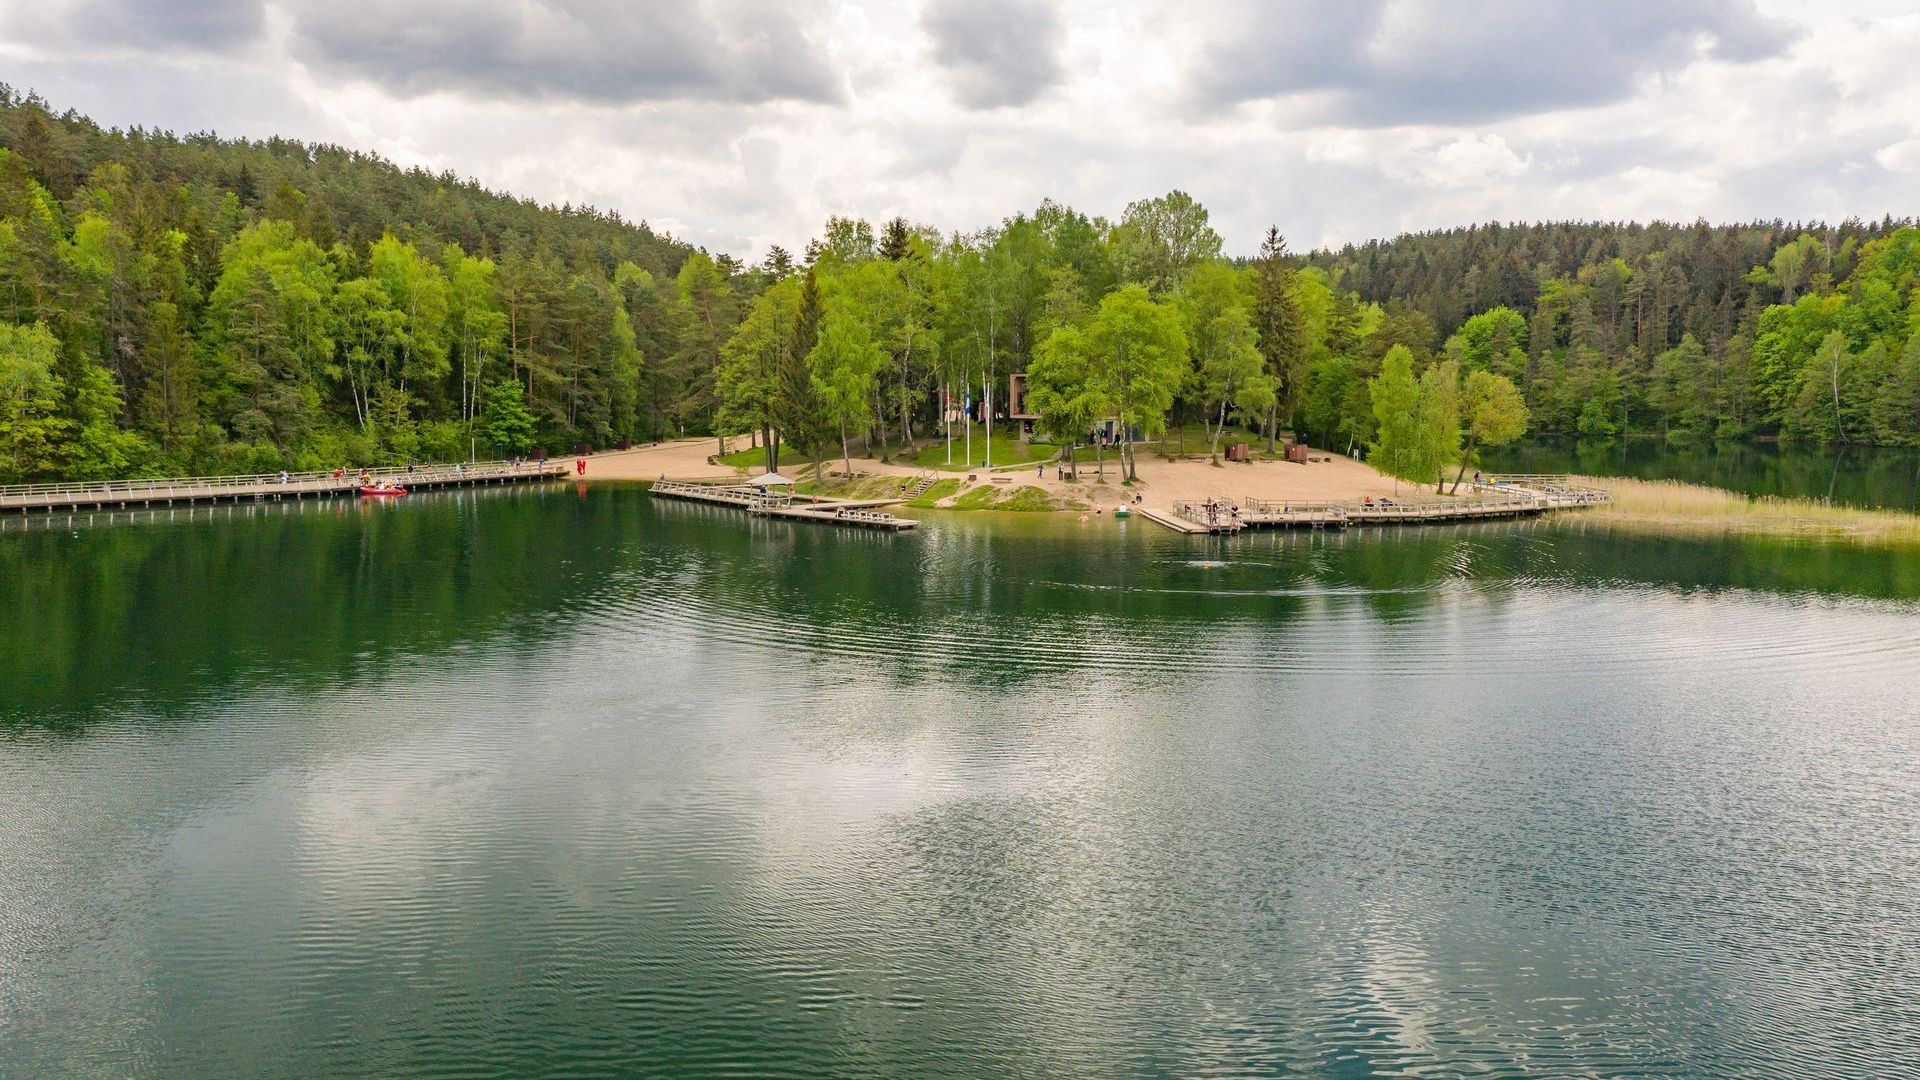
[1672, 506]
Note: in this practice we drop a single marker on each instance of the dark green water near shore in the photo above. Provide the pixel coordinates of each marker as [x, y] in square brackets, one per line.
[1869, 477]
[564, 783]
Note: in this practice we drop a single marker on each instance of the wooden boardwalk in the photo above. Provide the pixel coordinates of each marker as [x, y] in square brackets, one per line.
[837, 515]
[857, 513]
[1218, 516]
[1509, 497]
[1181, 524]
[126, 494]
[1555, 491]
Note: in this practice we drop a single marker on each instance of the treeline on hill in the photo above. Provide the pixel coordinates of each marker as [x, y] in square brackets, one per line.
[1419, 349]
[189, 304]
[1803, 331]
[174, 304]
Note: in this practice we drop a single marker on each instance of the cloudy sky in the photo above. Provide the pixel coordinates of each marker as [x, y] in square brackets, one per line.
[736, 124]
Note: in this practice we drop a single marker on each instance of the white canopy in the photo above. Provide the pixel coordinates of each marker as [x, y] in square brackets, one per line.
[772, 479]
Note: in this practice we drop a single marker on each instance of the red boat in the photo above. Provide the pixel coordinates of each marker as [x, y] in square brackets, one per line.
[382, 492]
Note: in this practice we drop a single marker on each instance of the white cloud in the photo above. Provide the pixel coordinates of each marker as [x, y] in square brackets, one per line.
[742, 123]
[1900, 157]
[1419, 157]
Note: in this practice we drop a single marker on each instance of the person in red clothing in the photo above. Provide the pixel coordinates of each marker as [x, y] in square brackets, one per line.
[580, 467]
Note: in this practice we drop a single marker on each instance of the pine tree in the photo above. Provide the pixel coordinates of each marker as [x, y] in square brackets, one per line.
[1280, 329]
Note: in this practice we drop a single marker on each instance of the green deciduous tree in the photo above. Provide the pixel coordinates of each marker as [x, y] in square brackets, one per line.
[1063, 388]
[29, 393]
[754, 362]
[505, 421]
[1492, 413]
[1438, 422]
[1137, 353]
[1494, 340]
[476, 327]
[1231, 374]
[1395, 394]
[1158, 240]
[845, 362]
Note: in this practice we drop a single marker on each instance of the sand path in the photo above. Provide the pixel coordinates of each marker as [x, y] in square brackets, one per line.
[679, 459]
[1162, 483]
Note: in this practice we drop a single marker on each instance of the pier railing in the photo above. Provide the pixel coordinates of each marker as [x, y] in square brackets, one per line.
[1219, 515]
[1557, 489]
[1526, 479]
[1415, 507]
[192, 488]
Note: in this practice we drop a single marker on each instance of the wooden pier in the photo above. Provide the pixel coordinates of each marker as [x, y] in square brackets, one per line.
[1181, 523]
[130, 494]
[1508, 497]
[856, 513]
[1555, 491]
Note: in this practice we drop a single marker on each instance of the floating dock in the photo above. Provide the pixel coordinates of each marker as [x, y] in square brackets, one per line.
[1507, 497]
[856, 513]
[133, 494]
[1182, 519]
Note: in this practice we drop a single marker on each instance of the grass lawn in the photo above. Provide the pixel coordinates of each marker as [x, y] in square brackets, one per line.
[1027, 498]
[1194, 438]
[941, 489]
[978, 499]
[1006, 450]
[862, 487]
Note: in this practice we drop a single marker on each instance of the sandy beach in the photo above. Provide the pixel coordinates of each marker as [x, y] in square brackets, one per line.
[1162, 483]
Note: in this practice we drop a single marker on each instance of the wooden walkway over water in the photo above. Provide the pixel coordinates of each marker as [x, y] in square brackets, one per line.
[858, 513]
[1506, 497]
[126, 494]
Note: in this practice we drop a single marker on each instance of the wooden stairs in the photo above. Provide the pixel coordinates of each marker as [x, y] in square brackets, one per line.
[919, 486]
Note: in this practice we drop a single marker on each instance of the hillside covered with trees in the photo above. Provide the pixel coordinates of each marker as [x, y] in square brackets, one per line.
[1804, 331]
[180, 304]
[173, 304]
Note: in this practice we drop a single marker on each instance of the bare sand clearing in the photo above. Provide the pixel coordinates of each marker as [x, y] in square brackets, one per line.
[1162, 483]
[680, 459]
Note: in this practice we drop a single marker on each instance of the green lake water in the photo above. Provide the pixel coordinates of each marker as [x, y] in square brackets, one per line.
[567, 782]
[1880, 478]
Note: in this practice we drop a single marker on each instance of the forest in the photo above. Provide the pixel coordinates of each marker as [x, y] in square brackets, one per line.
[188, 304]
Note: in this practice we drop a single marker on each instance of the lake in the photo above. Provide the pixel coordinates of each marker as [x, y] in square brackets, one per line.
[1872, 477]
[568, 782]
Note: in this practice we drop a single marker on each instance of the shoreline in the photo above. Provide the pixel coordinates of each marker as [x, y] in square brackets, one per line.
[1668, 507]
[1674, 507]
[1162, 482]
